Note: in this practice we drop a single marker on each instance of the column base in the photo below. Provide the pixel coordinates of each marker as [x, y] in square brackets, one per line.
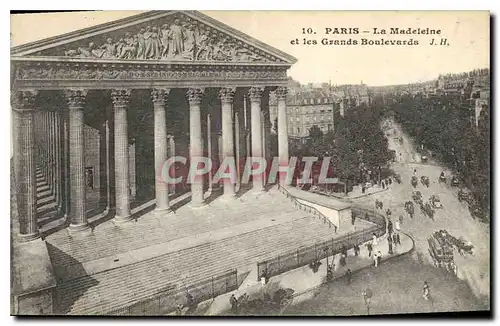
[78, 228]
[162, 211]
[122, 219]
[197, 205]
[228, 197]
[29, 237]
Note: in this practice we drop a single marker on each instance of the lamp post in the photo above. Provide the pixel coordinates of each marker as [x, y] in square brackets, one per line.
[367, 295]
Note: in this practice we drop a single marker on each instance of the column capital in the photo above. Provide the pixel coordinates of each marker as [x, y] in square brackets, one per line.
[194, 95]
[75, 97]
[226, 94]
[120, 96]
[255, 93]
[281, 93]
[160, 95]
[23, 100]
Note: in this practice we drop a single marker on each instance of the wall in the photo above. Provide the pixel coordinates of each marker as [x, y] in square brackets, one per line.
[92, 150]
[345, 218]
[332, 214]
[38, 303]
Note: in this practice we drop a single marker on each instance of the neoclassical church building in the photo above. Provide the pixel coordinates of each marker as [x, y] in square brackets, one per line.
[97, 112]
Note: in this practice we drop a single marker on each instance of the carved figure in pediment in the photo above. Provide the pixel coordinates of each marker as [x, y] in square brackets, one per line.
[165, 37]
[109, 48]
[189, 41]
[141, 44]
[153, 46]
[91, 51]
[205, 50]
[129, 48]
[244, 54]
[178, 36]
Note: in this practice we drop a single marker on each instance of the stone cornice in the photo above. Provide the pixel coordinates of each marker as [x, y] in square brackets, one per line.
[40, 60]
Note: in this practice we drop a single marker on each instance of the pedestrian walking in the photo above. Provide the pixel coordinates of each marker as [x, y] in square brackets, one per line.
[353, 218]
[397, 225]
[367, 217]
[375, 259]
[374, 240]
[398, 238]
[426, 292]
[395, 239]
[383, 185]
[348, 275]
[343, 259]
[234, 304]
[369, 247]
[389, 242]
[389, 227]
[379, 257]
[356, 250]
[363, 189]
[390, 181]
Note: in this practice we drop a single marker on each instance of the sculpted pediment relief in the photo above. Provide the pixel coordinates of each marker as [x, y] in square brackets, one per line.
[174, 37]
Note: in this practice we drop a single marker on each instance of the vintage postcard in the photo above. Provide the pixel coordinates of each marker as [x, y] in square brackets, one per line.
[250, 163]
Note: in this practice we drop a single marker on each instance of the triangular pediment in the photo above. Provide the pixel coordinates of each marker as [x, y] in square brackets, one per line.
[158, 36]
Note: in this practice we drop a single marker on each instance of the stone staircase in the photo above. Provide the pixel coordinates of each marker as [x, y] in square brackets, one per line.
[46, 205]
[109, 239]
[118, 288]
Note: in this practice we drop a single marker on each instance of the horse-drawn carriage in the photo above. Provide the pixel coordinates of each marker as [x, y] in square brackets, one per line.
[417, 197]
[427, 210]
[266, 305]
[425, 180]
[409, 208]
[442, 178]
[435, 201]
[441, 251]
[463, 246]
[464, 195]
[414, 181]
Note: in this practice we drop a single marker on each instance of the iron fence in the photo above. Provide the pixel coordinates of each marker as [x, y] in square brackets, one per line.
[167, 301]
[306, 255]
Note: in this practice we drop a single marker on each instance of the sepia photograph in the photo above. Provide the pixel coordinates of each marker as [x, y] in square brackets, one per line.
[250, 163]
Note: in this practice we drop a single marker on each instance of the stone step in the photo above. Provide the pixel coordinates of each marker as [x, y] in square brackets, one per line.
[196, 262]
[109, 240]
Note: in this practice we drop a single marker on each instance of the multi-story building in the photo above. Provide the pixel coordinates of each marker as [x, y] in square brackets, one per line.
[305, 109]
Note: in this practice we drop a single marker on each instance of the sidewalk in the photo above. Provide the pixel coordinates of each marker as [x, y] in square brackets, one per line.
[304, 281]
[356, 193]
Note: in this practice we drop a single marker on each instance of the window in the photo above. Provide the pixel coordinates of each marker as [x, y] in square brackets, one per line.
[298, 119]
[298, 130]
[291, 119]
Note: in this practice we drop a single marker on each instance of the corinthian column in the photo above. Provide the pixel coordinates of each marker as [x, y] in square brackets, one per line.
[24, 164]
[76, 101]
[159, 97]
[120, 98]
[282, 129]
[226, 96]
[255, 94]
[195, 143]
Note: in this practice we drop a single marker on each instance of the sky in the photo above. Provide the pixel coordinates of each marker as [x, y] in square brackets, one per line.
[467, 34]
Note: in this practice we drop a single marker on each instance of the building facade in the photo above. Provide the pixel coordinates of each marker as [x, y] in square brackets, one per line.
[305, 110]
[97, 113]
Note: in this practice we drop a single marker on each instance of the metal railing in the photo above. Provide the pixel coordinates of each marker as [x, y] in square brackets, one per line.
[305, 255]
[306, 208]
[167, 301]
